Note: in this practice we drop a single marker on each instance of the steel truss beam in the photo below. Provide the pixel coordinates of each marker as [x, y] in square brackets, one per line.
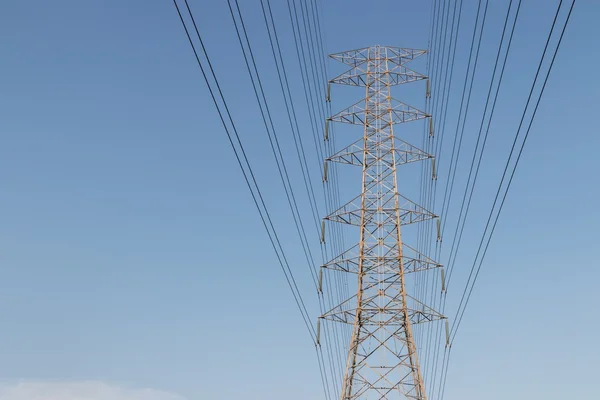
[375, 260]
[396, 112]
[405, 153]
[397, 75]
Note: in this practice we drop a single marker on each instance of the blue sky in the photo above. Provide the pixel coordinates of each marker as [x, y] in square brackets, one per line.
[133, 258]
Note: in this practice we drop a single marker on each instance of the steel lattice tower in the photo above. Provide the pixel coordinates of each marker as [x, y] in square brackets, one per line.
[382, 359]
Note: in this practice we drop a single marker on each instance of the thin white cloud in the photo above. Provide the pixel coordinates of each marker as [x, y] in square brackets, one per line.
[79, 391]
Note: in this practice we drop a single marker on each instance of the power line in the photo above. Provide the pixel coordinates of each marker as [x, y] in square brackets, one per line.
[448, 76]
[479, 136]
[455, 149]
[308, 59]
[290, 108]
[273, 137]
[245, 167]
[468, 204]
[514, 168]
[429, 285]
[314, 41]
[476, 265]
[292, 117]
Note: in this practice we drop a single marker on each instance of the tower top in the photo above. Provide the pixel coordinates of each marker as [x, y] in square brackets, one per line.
[398, 55]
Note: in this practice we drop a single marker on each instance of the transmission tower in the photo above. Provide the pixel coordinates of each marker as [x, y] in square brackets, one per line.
[382, 358]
